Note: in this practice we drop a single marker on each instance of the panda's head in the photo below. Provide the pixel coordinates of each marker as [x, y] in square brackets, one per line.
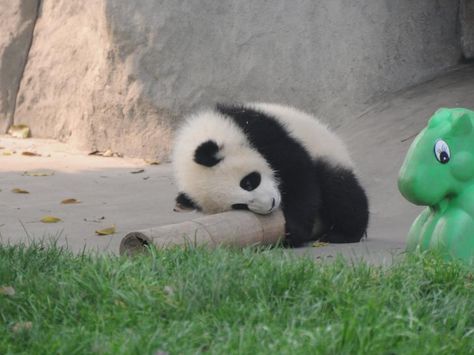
[218, 170]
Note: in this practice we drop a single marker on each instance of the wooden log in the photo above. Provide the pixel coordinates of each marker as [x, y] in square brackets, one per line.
[234, 228]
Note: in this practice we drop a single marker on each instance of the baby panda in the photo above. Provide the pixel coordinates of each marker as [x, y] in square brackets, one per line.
[263, 156]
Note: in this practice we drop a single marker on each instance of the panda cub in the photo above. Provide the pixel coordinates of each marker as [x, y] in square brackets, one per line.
[263, 156]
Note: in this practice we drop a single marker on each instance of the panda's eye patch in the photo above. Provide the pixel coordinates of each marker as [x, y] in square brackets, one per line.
[251, 181]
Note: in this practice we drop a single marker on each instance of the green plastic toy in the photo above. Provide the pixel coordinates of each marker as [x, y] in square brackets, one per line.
[438, 172]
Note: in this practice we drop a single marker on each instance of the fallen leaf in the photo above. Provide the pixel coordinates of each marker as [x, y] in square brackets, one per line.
[319, 244]
[50, 219]
[7, 291]
[20, 191]
[70, 201]
[152, 162]
[169, 290]
[7, 152]
[97, 220]
[106, 231]
[30, 154]
[108, 153]
[21, 327]
[146, 178]
[38, 173]
[137, 171]
[19, 131]
[119, 303]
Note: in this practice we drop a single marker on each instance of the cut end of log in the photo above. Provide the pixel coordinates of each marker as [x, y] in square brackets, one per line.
[134, 243]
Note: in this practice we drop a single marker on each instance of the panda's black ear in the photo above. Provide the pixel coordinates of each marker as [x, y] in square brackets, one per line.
[206, 154]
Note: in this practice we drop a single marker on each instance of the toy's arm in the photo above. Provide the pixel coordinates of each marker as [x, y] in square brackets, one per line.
[416, 230]
[454, 236]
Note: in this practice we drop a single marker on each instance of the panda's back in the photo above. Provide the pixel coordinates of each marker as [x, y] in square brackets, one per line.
[315, 136]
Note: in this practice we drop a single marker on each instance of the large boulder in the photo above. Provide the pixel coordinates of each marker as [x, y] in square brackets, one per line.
[117, 74]
[17, 19]
[80, 84]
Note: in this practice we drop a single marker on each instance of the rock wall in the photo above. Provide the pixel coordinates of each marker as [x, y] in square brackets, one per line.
[17, 19]
[466, 18]
[118, 74]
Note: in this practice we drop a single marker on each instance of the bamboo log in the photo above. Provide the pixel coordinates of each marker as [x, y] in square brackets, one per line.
[234, 228]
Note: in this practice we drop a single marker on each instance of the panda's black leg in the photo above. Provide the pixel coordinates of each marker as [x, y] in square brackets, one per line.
[345, 208]
[295, 235]
[300, 211]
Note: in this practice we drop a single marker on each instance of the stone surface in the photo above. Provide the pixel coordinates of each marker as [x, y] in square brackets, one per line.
[78, 87]
[17, 19]
[380, 137]
[116, 74]
[466, 17]
[379, 140]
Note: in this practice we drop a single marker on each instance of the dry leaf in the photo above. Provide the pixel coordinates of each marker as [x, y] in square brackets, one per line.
[38, 173]
[152, 162]
[22, 326]
[106, 231]
[107, 153]
[7, 152]
[31, 154]
[137, 171]
[70, 201]
[318, 244]
[19, 131]
[169, 290]
[97, 220]
[50, 219]
[119, 303]
[20, 191]
[7, 291]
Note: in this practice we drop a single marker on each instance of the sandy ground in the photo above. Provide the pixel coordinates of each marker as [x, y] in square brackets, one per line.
[110, 194]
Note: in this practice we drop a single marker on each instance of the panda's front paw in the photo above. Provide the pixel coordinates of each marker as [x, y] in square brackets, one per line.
[295, 236]
[184, 203]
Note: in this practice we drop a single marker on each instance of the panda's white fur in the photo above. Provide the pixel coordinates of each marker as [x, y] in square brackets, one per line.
[300, 163]
[316, 137]
[210, 187]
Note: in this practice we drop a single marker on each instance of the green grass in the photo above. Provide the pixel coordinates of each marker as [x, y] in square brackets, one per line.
[224, 301]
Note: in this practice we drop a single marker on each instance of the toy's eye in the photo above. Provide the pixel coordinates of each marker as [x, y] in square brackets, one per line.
[251, 181]
[441, 150]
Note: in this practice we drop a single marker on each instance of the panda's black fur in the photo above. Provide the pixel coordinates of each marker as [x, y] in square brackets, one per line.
[309, 186]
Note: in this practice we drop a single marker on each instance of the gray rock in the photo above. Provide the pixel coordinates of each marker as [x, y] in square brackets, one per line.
[116, 74]
[17, 19]
[466, 16]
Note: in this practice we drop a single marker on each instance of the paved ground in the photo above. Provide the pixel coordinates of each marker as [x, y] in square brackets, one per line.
[111, 194]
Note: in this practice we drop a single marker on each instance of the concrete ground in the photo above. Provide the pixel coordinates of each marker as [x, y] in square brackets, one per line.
[112, 192]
